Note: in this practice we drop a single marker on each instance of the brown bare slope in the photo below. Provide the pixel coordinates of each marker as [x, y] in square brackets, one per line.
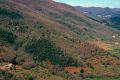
[67, 16]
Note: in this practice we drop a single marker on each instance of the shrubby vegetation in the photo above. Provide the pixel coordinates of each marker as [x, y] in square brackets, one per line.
[30, 77]
[6, 36]
[43, 49]
[68, 14]
[23, 28]
[9, 58]
[39, 25]
[2, 1]
[18, 25]
[10, 14]
[29, 65]
[6, 76]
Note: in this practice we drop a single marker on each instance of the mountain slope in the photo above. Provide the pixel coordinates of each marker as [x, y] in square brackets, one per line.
[102, 15]
[41, 38]
[100, 11]
[71, 15]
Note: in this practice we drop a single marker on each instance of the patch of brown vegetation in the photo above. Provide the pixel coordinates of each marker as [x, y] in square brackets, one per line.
[102, 45]
[74, 69]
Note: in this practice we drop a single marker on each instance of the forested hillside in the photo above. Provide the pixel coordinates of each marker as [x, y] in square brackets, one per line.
[46, 40]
